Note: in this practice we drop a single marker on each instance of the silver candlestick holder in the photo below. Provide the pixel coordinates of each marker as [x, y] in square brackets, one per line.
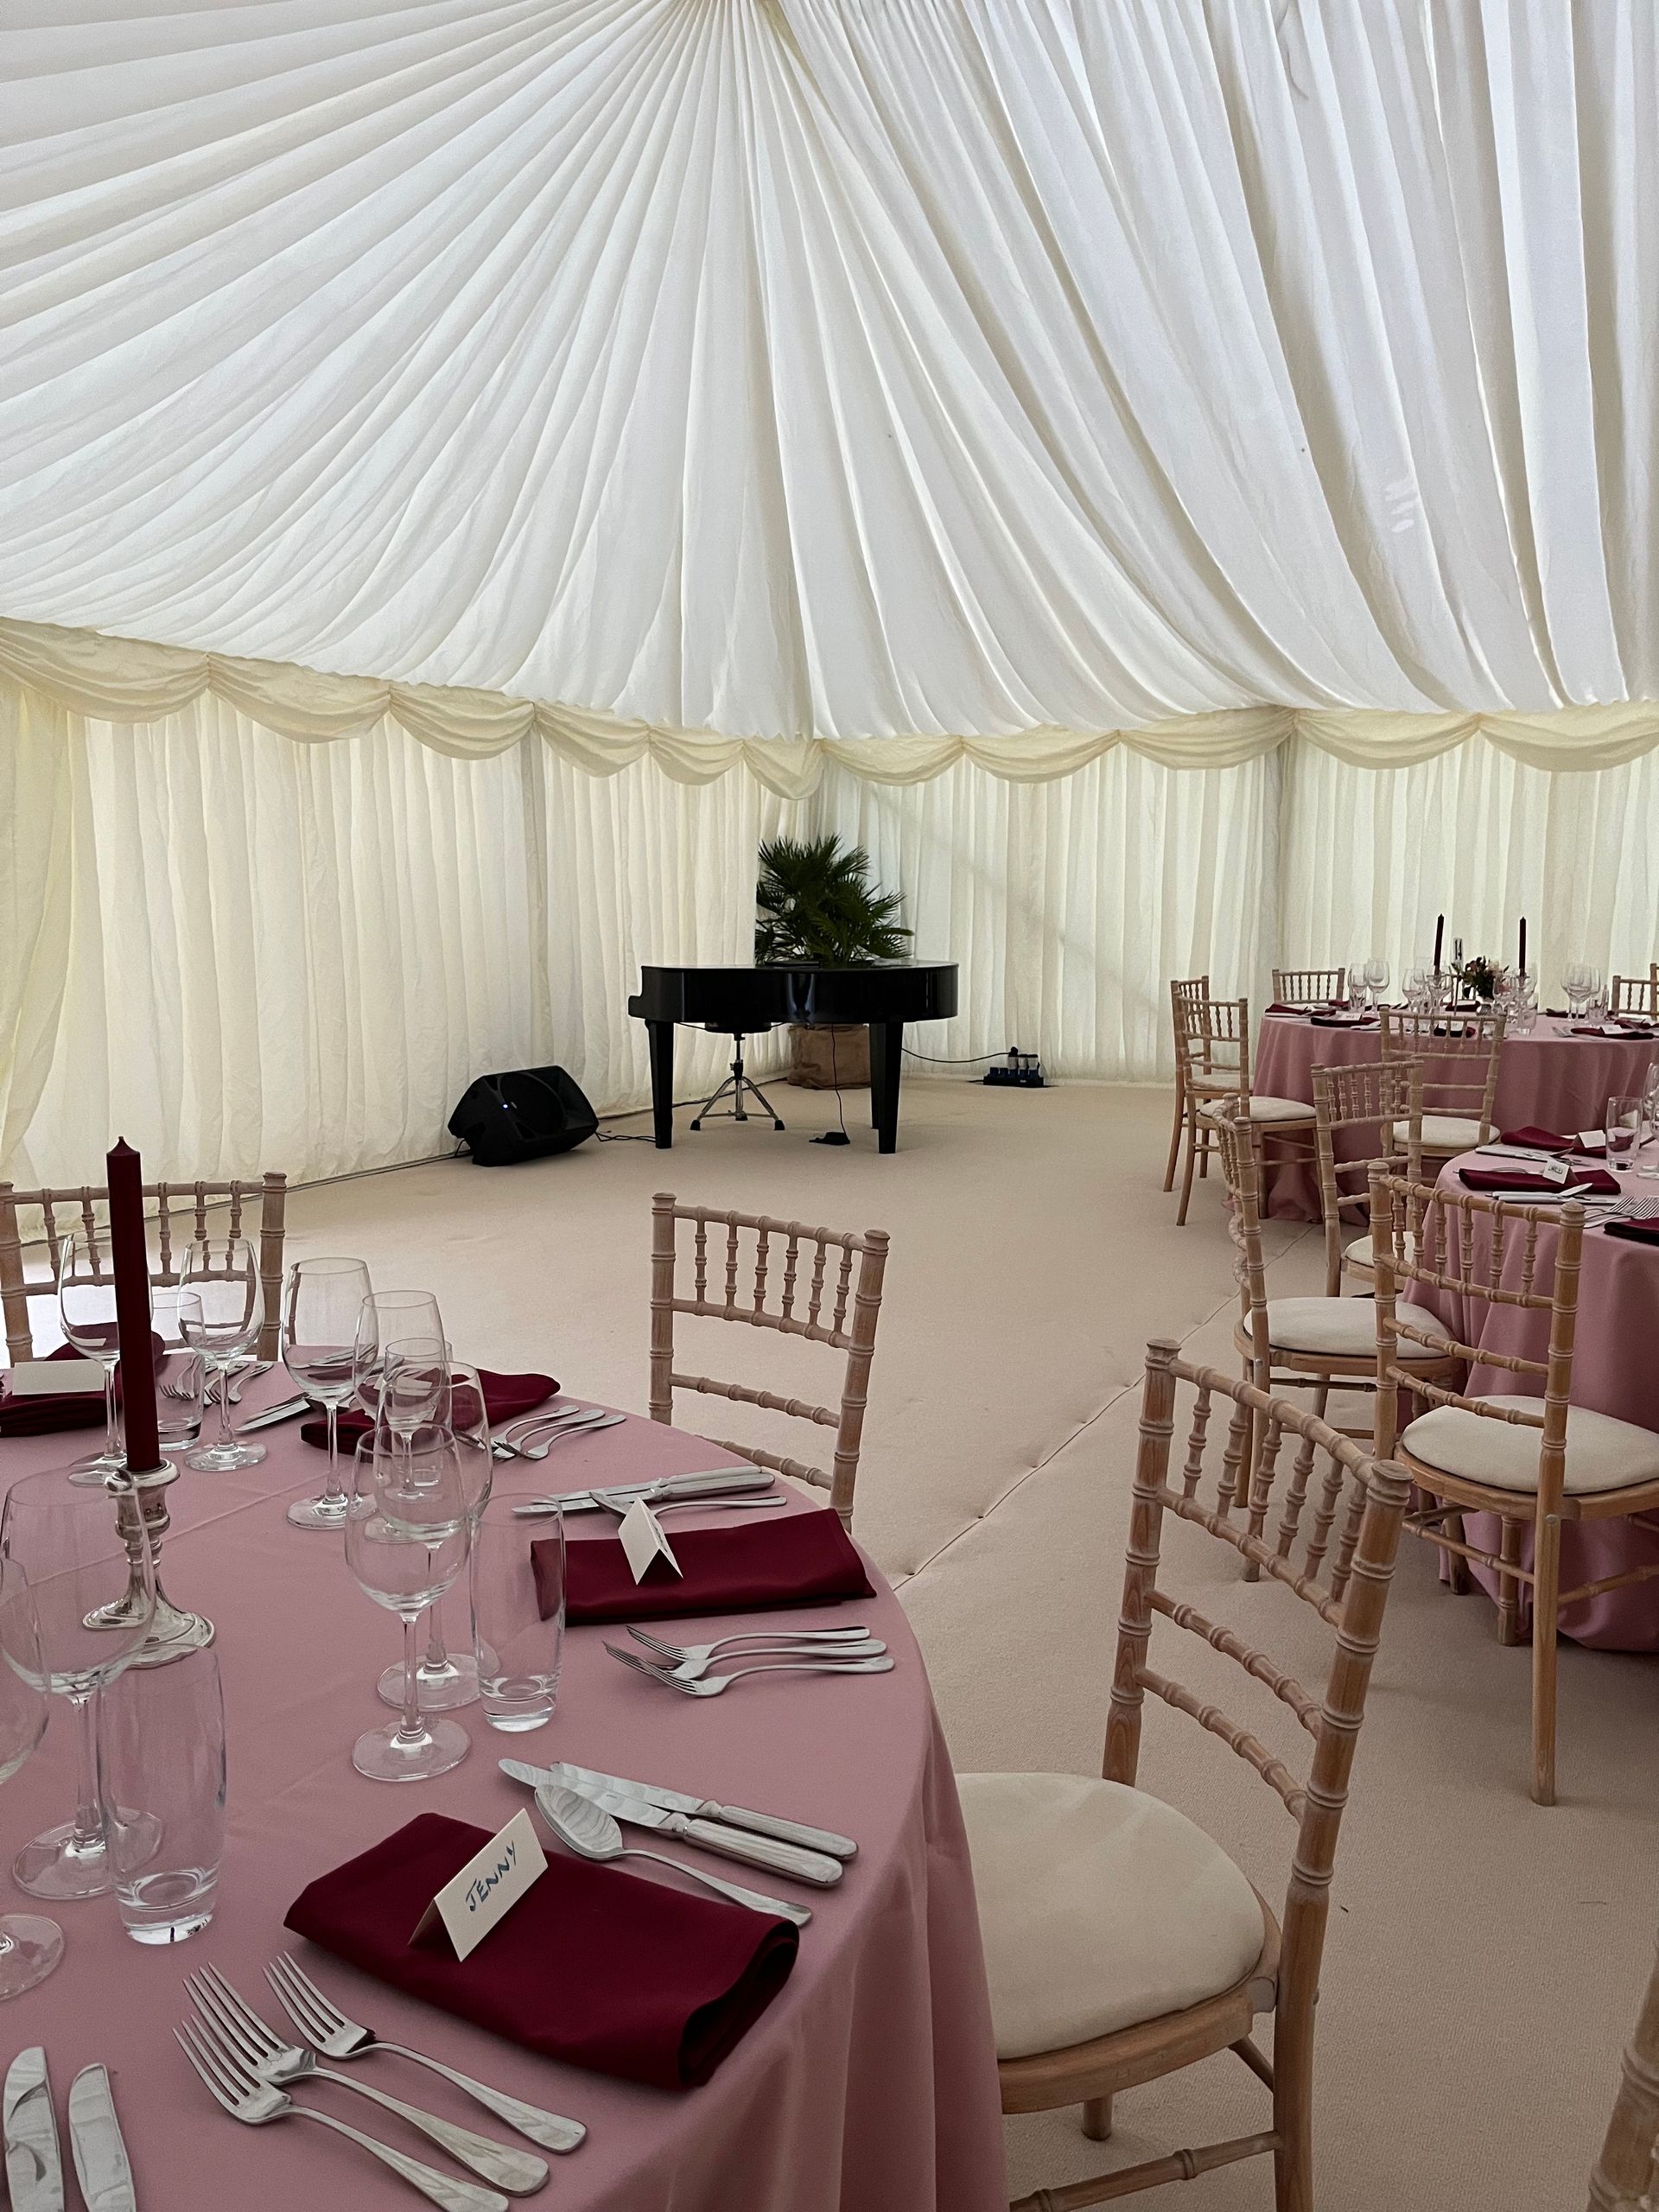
[141, 1513]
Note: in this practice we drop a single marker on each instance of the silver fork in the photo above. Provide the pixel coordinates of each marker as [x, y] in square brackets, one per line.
[270, 2059]
[696, 1662]
[712, 1685]
[253, 2101]
[326, 2029]
[829, 1637]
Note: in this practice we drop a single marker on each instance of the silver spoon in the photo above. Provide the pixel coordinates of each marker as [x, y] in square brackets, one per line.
[589, 1830]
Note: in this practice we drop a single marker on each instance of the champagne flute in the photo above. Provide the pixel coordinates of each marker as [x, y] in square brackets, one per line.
[448, 1679]
[322, 1301]
[408, 1531]
[30, 1946]
[85, 1555]
[86, 1315]
[225, 1325]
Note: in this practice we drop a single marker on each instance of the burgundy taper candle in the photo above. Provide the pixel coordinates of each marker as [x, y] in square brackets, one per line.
[130, 1263]
[1523, 945]
[1440, 938]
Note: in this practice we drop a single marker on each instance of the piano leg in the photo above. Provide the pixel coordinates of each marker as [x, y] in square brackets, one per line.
[660, 1036]
[887, 1051]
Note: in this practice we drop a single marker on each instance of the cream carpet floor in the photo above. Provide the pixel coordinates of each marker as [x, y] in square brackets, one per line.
[1485, 1957]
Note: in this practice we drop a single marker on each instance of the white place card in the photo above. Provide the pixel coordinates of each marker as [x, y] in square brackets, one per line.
[1555, 1171]
[488, 1887]
[44, 1378]
[643, 1540]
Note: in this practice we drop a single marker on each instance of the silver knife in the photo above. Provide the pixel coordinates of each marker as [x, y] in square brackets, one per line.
[716, 1482]
[33, 2167]
[289, 1409]
[815, 1866]
[587, 1779]
[100, 2155]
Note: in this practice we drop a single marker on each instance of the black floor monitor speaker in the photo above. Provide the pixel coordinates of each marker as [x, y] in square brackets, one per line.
[522, 1115]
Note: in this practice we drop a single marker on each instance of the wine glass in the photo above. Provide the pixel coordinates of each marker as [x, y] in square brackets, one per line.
[86, 1315]
[225, 1277]
[447, 1680]
[385, 1316]
[1579, 981]
[30, 1946]
[1419, 987]
[414, 1383]
[1375, 975]
[322, 1301]
[85, 1555]
[1650, 1167]
[408, 1529]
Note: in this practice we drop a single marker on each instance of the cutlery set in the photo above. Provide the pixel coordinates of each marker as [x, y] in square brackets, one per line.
[34, 2162]
[257, 2073]
[249, 2069]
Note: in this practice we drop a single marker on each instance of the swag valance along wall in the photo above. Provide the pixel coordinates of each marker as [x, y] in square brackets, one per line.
[120, 681]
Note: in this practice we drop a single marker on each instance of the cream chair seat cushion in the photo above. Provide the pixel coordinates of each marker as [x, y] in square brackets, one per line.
[1450, 1132]
[1602, 1454]
[1099, 1907]
[1266, 1108]
[1345, 1328]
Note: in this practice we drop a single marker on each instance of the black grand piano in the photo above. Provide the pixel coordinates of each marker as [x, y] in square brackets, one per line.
[743, 1002]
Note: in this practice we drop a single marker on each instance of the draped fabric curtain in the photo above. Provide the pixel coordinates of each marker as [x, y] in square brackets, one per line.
[830, 369]
[243, 952]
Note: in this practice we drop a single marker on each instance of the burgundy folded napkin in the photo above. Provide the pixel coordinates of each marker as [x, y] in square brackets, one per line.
[505, 1397]
[1343, 1021]
[800, 1559]
[1601, 1029]
[1637, 1232]
[1538, 1140]
[1306, 1006]
[592, 1965]
[1594, 1181]
[61, 1409]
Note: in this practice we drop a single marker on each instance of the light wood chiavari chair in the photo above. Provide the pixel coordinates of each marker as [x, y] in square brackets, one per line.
[1121, 1942]
[1626, 2177]
[1309, 986]
[1635, 994]
[176, 1205]
[1385, 1098]
[1190, 990]
[1460, 1054]
[1213, 1060]
[817, 1297]
[1534, 1462]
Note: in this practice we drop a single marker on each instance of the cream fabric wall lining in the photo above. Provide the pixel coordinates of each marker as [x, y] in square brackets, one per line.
[245, 952]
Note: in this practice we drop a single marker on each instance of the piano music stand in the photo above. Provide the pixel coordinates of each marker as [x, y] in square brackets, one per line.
[737, 1082]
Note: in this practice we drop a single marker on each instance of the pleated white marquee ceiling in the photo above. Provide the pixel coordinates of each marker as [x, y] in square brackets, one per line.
[844, 368]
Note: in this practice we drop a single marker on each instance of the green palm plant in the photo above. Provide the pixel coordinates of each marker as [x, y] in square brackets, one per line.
[816, 902]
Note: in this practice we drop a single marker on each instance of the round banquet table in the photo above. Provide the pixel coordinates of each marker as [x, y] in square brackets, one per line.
[1614, 1371]
[1547, 1079]
[869, 2085]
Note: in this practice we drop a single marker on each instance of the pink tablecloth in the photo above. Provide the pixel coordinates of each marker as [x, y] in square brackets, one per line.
[870, 2084]
[1547, 1079]
[1615, 1371]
